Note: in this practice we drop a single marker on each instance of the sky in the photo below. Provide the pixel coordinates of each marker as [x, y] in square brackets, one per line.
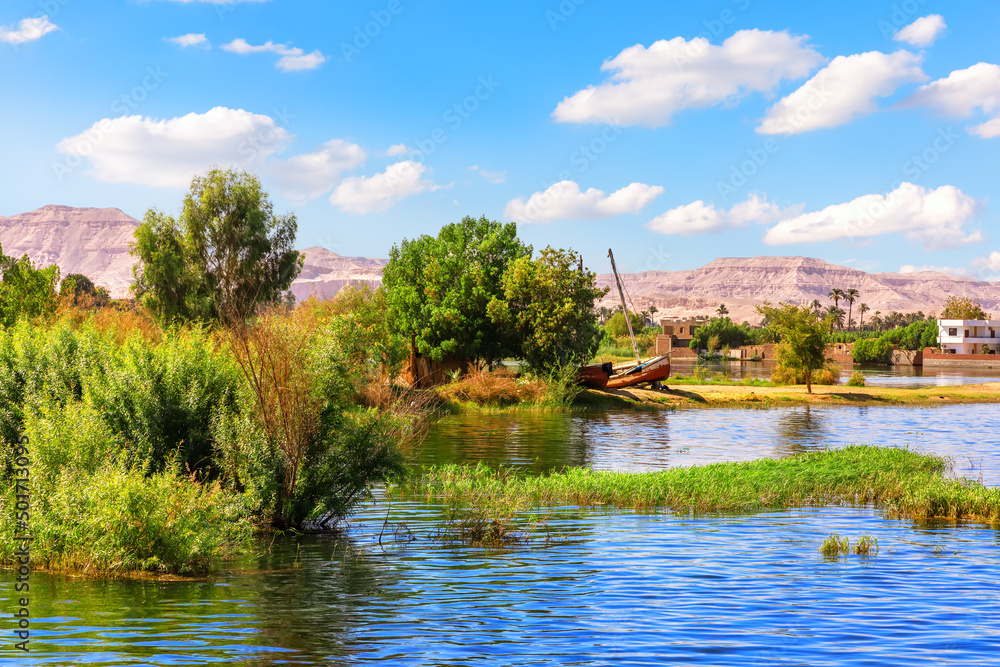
[864, 133]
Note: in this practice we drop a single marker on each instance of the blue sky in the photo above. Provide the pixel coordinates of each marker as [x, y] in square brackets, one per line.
[863, 133]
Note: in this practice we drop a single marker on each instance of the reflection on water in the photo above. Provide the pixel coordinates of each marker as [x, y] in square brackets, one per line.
[613, 588]
[904, 377]
[638, 441]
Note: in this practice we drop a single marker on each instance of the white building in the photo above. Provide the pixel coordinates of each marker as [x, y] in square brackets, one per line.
[969, 336]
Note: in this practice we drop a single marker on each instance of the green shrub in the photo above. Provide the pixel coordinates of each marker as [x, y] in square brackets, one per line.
[872, 351]
[785, 375]
[857, 379]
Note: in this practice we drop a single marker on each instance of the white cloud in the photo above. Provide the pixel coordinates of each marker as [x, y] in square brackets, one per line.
[494, 177]
[398, 149]
[960, 93]
[292, 58]
[701, 218]
[648, 86]
[307, 176]
[910, 268]
[936, 218]
[922, 32]
[990, 263]
[191, 39]
[365, 194]
[27, 30]
[564, 200]
[841, 91]
[167, 153]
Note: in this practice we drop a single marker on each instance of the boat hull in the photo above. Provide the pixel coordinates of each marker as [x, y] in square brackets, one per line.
[595, 376]
[656, 369]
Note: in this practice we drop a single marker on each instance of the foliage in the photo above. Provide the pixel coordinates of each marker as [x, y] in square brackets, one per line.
[617, 328]
[857, 379]
[496, 388]
[872, 351]
[803, 338]
[226, 254]
[438, 289]
[25, 291]
[962, 308]
[828, 375]
[548, 304]
[720, 332]
[82, 291]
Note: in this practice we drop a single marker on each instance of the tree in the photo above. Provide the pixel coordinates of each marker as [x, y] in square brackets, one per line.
[228, 252]
[877, 320]
[850, 296]
[803, 337]
[862, 309]
[439, 289]
[616, 327]
[718, 333]
[84, 291]
[836, 294]
[722, 311]
[962, 308]
[25, 291]
[548, 303]
[816, 305]
[835, 316]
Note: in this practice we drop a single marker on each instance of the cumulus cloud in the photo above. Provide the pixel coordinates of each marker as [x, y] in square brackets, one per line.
[936, 218]
[962, 92]
[649, 85]
[841, 91]
[292, 58]
[307, 176]
[27, 30]
[701, 218]
[365, 194]
[922, 32]
[191, 39]
[990, 264]
[398, 149]
[564, 200]
[167, 153]
[494, 177]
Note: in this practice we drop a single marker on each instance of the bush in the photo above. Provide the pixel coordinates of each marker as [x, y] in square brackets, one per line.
[785, 375]
[872, 351]
[857, 379]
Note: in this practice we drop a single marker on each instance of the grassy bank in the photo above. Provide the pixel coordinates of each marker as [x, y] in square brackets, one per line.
[902, 482]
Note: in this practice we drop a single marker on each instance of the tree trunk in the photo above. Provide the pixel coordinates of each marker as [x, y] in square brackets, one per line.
[809, 387]
[413, 360]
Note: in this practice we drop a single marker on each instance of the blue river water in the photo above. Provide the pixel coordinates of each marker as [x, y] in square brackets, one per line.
[591, 587]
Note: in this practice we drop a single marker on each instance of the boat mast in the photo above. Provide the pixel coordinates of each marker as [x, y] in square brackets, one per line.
[621, 294]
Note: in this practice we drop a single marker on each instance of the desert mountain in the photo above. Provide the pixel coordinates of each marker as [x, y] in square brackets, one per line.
[742, 283]
[95, 242]
[91, 241]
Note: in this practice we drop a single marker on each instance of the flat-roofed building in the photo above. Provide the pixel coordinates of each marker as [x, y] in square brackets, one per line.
[969, 336]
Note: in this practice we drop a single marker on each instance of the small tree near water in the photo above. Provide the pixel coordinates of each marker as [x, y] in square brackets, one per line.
[803, 337]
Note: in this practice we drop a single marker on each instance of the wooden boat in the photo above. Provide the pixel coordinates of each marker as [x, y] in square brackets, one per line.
[655, 369]
[596, 376]
[652, 370]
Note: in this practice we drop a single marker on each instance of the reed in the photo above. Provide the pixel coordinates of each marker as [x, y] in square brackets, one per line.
[901, 481]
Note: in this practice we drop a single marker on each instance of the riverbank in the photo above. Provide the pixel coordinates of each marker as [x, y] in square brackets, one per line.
[902, 482]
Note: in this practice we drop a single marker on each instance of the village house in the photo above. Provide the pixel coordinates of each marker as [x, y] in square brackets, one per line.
[968, 336]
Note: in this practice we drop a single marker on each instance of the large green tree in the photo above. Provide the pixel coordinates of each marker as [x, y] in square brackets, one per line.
[962, 308]
[548, 303]
[803, 337]
[439, 289]
[227, 253]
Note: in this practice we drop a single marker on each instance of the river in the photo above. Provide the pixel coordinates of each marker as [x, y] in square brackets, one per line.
[609, 587]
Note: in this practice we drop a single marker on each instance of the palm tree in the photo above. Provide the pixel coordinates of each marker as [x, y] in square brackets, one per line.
[862, 309]
[652, 312]
[816, 306]
[850, 296]
[836, 294]
[722, 311]
[877, 320]
[836, 316]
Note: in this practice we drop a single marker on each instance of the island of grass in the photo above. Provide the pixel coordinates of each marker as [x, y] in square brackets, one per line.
[902, 482]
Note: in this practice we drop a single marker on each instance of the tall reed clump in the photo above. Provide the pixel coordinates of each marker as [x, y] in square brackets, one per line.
[901, 481]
